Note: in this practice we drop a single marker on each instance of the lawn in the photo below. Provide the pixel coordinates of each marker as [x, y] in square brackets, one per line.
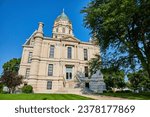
[42, 97]
[135, 96]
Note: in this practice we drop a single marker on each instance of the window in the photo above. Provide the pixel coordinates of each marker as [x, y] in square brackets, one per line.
[63, 30]
[49, 84]
[51, 51]
[85, 54]
[50, 70]
[69, 53]
[27, 73]
[68, 72]
[86, 71]
[30, 57]
[56, 29]
[32, 42]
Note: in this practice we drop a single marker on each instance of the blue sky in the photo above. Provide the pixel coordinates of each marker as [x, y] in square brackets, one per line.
[19, 19]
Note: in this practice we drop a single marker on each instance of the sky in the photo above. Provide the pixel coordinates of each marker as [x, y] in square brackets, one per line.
[19, 19]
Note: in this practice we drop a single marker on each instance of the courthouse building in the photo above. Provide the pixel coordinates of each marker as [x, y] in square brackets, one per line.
[51, 64]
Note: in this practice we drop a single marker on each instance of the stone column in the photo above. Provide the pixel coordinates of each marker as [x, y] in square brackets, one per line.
[36, 56]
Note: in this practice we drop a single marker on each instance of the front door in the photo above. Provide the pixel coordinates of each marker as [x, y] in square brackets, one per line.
[68, 72]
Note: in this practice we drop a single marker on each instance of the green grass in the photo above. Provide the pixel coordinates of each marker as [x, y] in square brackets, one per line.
[42, 97]
[135, 96]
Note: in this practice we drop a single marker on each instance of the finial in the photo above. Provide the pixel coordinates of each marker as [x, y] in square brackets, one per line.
[63, 10]
[40, 28]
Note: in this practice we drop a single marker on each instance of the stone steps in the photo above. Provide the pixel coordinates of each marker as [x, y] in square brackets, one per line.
[70, 90]
[72, 84]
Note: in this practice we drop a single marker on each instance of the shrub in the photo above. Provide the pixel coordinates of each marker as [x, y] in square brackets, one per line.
[119, 92]
[127, 91]
[110, 91]
[145, 93]
[27, 89]
[4, 92]
[105, 91]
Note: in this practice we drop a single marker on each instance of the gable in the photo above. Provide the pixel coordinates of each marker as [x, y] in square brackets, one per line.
[30, 40]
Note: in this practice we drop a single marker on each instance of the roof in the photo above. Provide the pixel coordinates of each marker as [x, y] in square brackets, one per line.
[62, 16]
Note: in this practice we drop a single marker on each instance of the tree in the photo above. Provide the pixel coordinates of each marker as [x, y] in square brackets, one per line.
[114, 78]
[11, 80]
[12, 65]
[94, 64]
[122, 29]
[139, 81]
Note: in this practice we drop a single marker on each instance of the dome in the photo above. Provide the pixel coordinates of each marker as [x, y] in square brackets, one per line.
[62, 26]
[62, 16]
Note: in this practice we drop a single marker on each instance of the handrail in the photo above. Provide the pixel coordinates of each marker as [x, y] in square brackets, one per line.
[77, 78]
[64, 81]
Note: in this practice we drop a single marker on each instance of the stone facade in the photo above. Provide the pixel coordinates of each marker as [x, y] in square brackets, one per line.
[50, 64]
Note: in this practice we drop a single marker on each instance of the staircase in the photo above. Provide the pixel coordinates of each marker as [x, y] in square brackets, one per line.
[75, 86]
[71, 87]
[70, 90]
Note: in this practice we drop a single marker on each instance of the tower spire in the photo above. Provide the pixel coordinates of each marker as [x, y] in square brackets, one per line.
[63, 10]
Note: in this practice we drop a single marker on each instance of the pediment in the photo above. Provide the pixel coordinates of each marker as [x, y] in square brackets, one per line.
[70, 38]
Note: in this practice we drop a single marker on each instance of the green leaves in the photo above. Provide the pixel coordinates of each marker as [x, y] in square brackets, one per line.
[10, 76]
[113, 78]
[94, 64]
[12, 65]
[139, 80]
[123, 26]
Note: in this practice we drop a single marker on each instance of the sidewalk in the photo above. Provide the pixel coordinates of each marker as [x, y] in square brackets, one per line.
[101, 97]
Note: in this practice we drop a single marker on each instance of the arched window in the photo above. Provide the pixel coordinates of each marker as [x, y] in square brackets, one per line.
[63, 30]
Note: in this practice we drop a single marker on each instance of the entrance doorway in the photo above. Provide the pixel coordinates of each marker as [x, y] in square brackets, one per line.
[68, 72]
